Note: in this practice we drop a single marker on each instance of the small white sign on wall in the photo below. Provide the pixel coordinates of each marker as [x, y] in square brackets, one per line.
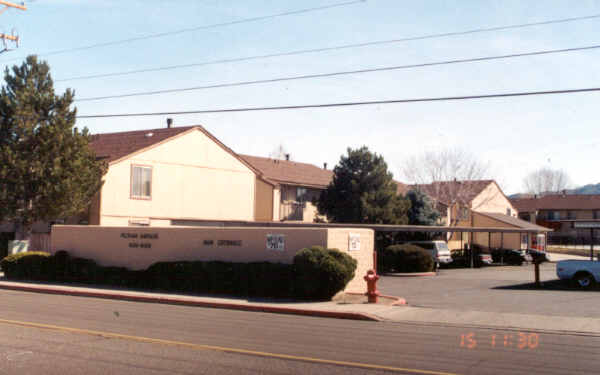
[276, 242]
[15, 247]
[353, 242]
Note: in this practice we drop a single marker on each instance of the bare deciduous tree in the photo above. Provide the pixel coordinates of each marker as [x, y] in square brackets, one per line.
[279, 153]
[448, 176]
[546, 180]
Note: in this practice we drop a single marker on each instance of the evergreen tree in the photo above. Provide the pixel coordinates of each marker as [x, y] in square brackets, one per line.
[363, 191]
[47, 170]
[422, 210]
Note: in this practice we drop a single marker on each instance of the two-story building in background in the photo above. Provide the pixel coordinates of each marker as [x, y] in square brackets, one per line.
[566, 214]
[297, 186]
[476, 203]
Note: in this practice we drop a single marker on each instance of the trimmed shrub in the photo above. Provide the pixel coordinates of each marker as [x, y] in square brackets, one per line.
[258, 279]
[317, 273]
[33, 265]
[404, 259]
[320, 273]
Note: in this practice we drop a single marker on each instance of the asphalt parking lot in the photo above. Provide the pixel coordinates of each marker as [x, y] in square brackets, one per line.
[505, 289]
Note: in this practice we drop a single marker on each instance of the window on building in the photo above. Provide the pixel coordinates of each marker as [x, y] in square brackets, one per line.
[141, 182]
[508, 212]
[463, 213]
[571, 215]
[596, 214]
[301, 194]
[553, 215]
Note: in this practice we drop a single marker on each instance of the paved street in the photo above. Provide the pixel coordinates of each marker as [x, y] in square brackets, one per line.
[105, 336]
[495, 289]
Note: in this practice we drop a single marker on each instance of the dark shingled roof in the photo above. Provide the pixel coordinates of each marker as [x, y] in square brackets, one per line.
[558, 202]
[114, 146]
[513, 221]
[290, 172]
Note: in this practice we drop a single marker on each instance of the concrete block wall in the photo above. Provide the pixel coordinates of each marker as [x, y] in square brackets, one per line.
[138, 247]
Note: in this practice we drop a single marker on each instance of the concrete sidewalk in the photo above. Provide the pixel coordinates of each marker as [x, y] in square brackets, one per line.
[336, 309]
[555, 257]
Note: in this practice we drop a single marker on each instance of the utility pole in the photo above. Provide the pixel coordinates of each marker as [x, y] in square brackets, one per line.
[12, 37]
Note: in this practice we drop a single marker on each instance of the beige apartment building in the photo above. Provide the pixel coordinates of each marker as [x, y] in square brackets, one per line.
[297, 186]
[175, 176]
[477, 203]
[569, 215]
[186, 176]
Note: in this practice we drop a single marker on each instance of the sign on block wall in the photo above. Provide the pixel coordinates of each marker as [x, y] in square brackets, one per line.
[353, 242]
[276, 242]
[15, 247]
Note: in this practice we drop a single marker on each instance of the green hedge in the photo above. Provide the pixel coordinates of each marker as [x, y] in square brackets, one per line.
[31, 265]
[320, 273]
[316, 273]
[404, 259]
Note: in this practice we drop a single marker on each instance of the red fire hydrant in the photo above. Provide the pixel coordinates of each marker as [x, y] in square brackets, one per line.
[372, 292]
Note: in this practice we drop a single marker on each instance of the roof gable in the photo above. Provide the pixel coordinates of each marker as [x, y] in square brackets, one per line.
[115, 146]
[454, 191]
[291, 172]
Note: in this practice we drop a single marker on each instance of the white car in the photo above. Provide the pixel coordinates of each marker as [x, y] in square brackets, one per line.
[438, 250]
[584, 273]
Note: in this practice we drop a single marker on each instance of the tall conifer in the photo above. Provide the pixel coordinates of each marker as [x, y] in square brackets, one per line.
[47, 170]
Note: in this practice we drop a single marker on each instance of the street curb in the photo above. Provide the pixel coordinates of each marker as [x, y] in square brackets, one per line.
[398, 301]
[411, 274]
[183, 302]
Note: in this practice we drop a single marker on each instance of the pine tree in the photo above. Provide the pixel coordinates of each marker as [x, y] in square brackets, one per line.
[47, 170]
[363, 191]
[422, 210]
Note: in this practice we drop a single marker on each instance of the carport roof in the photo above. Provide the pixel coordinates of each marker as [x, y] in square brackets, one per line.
[513, 221]
[377, 227]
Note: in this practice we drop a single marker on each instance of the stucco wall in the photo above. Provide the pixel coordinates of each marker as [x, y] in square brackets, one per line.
[192, 178]
[124, 246]
[276, 203]
[309, 213]
[491, 199]
[338, 239]
[94, 211]
[264, 201]
[507, 241]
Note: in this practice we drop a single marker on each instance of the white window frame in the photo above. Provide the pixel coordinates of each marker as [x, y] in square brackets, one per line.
[132, 193]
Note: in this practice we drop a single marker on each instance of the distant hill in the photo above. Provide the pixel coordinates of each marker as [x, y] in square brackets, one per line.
[586, 189]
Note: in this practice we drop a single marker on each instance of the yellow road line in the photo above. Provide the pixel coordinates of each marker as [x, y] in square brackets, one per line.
[188, 345]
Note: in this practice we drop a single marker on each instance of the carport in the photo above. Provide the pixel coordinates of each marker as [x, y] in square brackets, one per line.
[498, 233]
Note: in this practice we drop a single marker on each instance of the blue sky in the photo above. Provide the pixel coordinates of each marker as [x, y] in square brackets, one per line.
[515, 135]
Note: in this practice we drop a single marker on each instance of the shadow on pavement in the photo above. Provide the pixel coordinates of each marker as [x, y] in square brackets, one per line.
[158, 292]
[548, 285]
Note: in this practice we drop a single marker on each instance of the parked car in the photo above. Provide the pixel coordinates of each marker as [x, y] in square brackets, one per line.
[462, 258]
[538, 255]
[438, 250]
[511, 256]
[583, 273]
[485, 258]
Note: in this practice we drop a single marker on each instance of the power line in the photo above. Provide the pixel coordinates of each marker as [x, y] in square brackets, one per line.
[197, 28]
[350, 104]
[335, 74]
[333, 48]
